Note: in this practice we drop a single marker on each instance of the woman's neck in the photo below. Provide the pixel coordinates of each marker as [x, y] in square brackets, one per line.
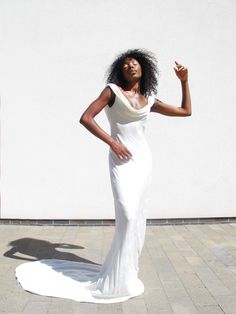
[133, 87]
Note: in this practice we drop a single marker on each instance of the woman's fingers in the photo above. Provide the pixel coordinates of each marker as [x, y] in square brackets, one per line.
[125, 154]
[180, 70]
[121, 151]
[128, 152]
[179, 66]
[122, 156]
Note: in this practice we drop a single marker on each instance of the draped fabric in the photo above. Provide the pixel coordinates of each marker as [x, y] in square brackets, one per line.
[116, 280]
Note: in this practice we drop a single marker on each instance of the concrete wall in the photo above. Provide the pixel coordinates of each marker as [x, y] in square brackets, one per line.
[53, 56]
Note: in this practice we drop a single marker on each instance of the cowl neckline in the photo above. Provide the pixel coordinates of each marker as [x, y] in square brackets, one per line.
[125, 100]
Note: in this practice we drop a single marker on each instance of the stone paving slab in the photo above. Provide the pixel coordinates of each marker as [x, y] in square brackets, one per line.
[185, 268]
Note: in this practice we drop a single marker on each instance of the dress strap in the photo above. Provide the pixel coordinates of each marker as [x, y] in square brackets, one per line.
[113, 87]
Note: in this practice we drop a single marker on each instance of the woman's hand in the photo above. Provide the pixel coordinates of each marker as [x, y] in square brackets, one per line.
[120, 150]
[181, 72]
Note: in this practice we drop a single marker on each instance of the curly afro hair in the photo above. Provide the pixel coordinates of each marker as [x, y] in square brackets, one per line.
[150, 72]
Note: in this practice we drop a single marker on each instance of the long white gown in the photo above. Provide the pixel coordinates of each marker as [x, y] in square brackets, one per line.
[117, 279]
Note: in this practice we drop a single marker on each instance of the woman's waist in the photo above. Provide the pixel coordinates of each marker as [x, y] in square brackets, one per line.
[131, 138]
[138, 147]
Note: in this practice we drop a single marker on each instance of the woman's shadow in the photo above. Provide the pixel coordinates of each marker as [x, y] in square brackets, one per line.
[41, 249]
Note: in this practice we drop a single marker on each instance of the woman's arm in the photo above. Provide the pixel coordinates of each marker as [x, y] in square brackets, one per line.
[185, 109]
[87, 120]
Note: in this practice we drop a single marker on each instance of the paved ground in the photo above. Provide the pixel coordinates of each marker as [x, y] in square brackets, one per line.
[185, 268]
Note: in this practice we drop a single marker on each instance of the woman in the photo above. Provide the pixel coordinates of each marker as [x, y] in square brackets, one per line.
[127, 100]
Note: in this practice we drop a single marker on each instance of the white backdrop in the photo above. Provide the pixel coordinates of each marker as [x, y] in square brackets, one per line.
[53, 56]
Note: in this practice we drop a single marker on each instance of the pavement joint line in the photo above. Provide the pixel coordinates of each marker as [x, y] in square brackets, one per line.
[111, 222]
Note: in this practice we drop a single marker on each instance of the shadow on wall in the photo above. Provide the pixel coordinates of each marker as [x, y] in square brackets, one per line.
[41, 249]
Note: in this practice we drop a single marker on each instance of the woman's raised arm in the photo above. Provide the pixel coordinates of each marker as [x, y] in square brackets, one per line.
[185, 109]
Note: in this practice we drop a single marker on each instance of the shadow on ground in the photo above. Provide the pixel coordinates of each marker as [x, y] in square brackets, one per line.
[40, 249]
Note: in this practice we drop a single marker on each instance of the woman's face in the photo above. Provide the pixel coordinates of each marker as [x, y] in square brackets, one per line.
[131, 70]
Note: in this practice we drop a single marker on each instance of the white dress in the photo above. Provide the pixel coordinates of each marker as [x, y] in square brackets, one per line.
[117, 279]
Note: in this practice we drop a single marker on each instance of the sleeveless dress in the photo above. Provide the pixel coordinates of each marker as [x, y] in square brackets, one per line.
[117, 279]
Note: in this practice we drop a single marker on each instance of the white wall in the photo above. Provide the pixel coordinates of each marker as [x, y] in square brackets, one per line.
[53, 56]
